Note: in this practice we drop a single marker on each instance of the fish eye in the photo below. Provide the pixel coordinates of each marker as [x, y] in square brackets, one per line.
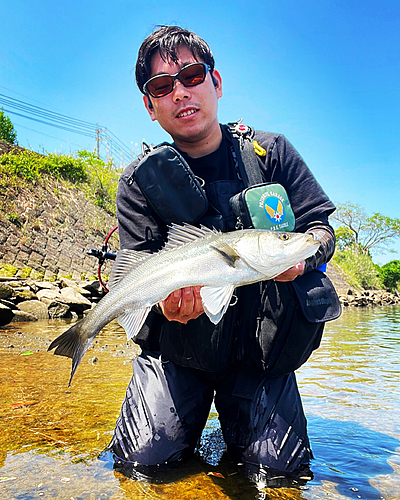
[284, 236]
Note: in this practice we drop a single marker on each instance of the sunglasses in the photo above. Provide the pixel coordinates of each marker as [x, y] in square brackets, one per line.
[190, 76]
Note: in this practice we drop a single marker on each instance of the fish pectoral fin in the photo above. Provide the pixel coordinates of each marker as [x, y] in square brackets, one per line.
[132, 321]
[228, 253]
[216, 301]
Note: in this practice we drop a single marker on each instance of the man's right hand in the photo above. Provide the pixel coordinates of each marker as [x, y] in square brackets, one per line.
[183, 305]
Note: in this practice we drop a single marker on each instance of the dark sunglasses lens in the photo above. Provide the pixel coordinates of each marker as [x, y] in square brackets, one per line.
[192, 75]
[160, 86]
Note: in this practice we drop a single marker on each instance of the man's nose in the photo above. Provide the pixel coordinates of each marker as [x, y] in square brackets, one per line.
[180, 91]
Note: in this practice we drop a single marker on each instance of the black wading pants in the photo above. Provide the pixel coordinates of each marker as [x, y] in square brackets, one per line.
[166, 408]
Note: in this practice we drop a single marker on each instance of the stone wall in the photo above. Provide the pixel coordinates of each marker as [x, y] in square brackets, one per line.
[49, 228]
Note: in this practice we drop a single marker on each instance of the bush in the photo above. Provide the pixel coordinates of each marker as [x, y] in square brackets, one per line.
[33, 166]
[7, 132]
[390, 275]
[102, 180]
[97, 178]
[360, 269]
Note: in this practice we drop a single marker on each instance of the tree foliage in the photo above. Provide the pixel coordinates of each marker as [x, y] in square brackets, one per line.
[7, 131]
[344, 238]
[390, 275]
[374, 233]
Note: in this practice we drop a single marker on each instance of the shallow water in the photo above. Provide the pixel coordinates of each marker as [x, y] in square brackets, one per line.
[51, 435]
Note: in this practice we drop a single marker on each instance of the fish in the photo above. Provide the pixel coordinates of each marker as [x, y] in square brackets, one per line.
[218, 262]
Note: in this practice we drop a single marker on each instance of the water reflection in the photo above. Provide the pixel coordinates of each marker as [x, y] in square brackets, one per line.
[51, 435]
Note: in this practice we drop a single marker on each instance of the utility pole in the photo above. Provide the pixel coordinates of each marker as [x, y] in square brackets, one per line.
[98, 142]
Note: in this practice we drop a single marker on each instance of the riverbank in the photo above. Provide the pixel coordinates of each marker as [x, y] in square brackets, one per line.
[25, 299]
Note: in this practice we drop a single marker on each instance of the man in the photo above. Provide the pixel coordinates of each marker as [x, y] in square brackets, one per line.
[186, 361]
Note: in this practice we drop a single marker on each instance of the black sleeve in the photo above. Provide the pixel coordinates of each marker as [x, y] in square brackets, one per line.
[139, 228]
[309, 202]
[284, 165]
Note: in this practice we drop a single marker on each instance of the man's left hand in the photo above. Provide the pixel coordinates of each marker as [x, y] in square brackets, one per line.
[291, 273]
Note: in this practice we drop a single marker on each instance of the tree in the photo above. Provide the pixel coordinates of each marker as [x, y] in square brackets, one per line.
[344, 238]
[390, 274]
[375, 233]
[7, 132]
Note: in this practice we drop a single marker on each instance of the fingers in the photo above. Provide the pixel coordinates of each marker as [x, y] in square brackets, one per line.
[292, 273]
[183, 305]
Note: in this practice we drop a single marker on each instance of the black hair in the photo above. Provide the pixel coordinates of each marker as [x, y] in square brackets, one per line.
[166, 40]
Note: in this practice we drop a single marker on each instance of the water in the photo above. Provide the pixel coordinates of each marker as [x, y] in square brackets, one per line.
[51, 435]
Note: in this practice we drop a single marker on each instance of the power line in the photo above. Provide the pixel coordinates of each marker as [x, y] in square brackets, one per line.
[47, 135]
[38, 111]
[42, 115]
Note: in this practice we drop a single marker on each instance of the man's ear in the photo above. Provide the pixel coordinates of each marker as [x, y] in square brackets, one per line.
[149, 107]
[217, 80]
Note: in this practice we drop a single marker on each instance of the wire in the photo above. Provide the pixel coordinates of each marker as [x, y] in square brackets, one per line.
[118, 150]
[47, 135]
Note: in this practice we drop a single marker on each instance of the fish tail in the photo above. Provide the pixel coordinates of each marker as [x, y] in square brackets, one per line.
[70, 344]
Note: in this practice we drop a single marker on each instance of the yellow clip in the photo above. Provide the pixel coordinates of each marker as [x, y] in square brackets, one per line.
[258, 149]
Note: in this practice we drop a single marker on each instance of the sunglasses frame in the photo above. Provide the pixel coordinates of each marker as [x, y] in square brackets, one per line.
[175, 77]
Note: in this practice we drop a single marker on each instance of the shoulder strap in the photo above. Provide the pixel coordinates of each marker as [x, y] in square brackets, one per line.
[246, 157]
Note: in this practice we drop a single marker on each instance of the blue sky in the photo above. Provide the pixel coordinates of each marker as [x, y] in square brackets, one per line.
[325, 74]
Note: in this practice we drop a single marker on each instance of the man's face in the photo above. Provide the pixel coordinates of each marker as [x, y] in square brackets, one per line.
[188, 114]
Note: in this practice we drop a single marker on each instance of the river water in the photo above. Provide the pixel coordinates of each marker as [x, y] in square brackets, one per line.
[51, 436]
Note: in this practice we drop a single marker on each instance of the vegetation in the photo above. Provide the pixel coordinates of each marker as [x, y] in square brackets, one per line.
[359, 235]
[390, 275]
[365, 234]
[360, 271]
[7, 131]
[25, 168]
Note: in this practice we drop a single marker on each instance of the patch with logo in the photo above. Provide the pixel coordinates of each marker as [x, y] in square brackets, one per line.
[269, 207]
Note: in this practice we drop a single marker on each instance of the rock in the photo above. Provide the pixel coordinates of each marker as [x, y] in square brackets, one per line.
[58, 310]
[6, 315]
[50, 295]
[75, 300]
[23, 316]
[5, 291]
[365, 298]
[8, 303]
[24, 295]
[93, 287]
[45, 285]
[66, 283]
[35, 307]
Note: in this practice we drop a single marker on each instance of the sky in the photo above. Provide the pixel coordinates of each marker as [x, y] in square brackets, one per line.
[324, 74]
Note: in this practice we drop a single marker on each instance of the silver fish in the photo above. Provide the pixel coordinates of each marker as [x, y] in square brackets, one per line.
[218, 262]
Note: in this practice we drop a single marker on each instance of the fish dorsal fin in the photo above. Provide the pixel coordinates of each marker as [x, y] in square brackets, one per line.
[216, 301]
[181, 235]
[132, 321]
[124, 262]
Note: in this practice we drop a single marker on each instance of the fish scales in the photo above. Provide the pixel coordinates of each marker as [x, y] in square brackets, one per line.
[218, 262]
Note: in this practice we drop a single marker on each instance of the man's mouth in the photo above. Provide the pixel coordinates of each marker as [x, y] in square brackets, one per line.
[186, 113]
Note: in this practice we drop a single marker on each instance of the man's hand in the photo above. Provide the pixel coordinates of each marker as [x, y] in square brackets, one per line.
[291, 273]
[183, 305]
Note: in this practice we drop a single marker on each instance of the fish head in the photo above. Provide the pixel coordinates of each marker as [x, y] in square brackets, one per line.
[273, 252]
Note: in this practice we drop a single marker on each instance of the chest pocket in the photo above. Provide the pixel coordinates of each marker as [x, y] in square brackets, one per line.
[292, 320]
